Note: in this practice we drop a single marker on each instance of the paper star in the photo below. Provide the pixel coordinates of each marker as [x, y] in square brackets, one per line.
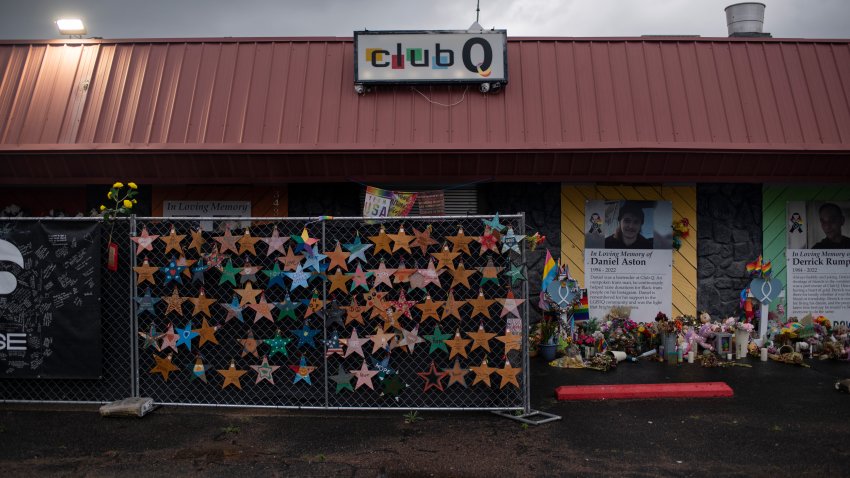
[333, 314]
[357, 250]
[364, 376]
[445, 258]
[402, 305]
[185, 334]
[313, 259]
[228, 273]
[402, 274]
[175, 302]
[146, 303]
[401, 240]
[275, 242]
[494, 223]
[410, 338]
[299, 278]
[314, 305]
[286, 308]
[382, 275]
[306, 336]
[302, 370]
[354, 312]
[234, 310]
[265, 371]
[163, 366]
[342, 379]
[429, 308]
[392, 386]
[488, 241]
[169, 339]
[172, 272]
[510, 241]
[198, 270]
[248, 294]
[380, 339]
[145, 273]
[460, 276]
[423, 277]
[187, 265]
[232, 376]
[482, 373]
[452, 307]
[337, 257]
[382, 367]
[376, 303]
[481, 338]
[359, 278]
[199, 370]
[290, 261]
[332, 345]
[381, 241]
[215, 260]
[515, 274]
[278, 345]
[227, 242]
[151, 338]
[275, 276]
[303, 240]
[198, 241]
[508, 374]
[201, 304]
[250, 344]
[460, 242]
[206, 333]
[338, 281]
[510, 304]
[457, 345]
[422, 239]
[144, 242]
[438, 340]
[480, 305]
[248, 273]
[512, 341]
[389, 317]
[456, 374]
[433, 378]
[490, 273]
[354, 344]
[247, 243]
[262, 309]
[172, 241]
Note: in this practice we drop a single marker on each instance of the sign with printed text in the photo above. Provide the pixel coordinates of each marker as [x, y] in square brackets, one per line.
[818, 259]
[209, 209]
[628, 257]
[430, 57]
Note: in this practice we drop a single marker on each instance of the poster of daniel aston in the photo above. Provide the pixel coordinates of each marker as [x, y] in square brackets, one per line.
[628, 225]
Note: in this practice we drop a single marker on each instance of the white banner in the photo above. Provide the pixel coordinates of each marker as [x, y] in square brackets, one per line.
[819, 283]
[430, 57]
[640, 279]
[209, 209]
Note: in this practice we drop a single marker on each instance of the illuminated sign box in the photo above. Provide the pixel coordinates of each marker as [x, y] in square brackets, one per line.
[430, 57]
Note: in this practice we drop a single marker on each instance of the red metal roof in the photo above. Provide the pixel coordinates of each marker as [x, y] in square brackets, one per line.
[295, 97]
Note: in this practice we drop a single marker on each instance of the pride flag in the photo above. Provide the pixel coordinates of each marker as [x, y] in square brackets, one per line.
[550, 271]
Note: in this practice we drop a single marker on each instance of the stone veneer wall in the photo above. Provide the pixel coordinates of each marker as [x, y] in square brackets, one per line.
[730, 235]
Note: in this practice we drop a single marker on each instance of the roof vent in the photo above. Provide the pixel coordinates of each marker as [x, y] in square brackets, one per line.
[746, 19]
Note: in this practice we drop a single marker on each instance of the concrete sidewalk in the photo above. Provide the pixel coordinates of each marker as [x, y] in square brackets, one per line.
[782, 421]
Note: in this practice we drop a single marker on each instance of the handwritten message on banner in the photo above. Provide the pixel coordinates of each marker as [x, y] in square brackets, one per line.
[49, 308]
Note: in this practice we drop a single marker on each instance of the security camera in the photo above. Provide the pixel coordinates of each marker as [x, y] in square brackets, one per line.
[359, 88]
[484, 87]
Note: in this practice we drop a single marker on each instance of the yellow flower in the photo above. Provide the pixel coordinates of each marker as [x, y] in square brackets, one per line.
[132, 185]
[102, 207]
[134, 201]
[118, 185]
[109, 195]
[128, 204]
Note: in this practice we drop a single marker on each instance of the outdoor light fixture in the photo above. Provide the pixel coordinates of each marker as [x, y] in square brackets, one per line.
[71, 26]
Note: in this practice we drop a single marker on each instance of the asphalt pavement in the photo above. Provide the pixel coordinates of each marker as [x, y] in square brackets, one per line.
[782, 421]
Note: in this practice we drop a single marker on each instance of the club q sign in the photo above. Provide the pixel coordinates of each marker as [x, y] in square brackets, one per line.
[430, 57]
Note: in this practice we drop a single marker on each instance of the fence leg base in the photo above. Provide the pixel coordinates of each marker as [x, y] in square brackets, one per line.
[533, 417]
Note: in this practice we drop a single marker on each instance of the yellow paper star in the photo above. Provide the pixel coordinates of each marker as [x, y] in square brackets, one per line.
[231, 376]
[172, 241]
[145, 273]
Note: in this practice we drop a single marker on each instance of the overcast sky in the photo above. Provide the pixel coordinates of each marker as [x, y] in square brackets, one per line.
[33, 19]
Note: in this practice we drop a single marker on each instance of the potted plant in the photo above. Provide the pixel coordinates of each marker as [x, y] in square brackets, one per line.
[548, 345]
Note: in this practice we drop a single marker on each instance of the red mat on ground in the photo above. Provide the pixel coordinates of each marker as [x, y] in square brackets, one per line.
[644, 390]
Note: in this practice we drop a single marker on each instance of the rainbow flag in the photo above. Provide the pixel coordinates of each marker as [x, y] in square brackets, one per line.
[765, 269]
[550, 271]
[581, 312]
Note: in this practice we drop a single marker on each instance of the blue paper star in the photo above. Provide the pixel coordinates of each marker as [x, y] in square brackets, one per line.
[357, 249]
[299, 278]
[494, 223]
[173, 272]
[275, 276]
[234, 310]
[185, 335]
[306, 336]
[302, 371]
[383, 367]
[146, 303]
[313, 258]
[198, 270]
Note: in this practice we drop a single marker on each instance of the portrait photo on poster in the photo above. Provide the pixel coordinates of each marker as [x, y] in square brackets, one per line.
[818, 225]
[627, 224]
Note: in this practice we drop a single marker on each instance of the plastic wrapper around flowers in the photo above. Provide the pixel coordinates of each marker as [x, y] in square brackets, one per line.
[332, 313]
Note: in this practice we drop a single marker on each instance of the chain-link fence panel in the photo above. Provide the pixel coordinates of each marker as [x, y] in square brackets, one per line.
[349, 313]
[117, 334]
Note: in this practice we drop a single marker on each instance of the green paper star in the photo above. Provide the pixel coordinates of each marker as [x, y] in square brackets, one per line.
[287, 309]
[437, 340]
[515, 274]
[278, 345]
[393, 386]
[228, 273]
[343, 380]
[275, 276]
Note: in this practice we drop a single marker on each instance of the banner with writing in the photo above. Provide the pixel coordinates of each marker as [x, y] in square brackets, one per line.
[385, 203]
[432, 203]
[49, 299]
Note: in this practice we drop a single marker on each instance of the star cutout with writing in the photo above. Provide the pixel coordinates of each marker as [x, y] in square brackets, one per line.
[401, 240]
[460, 242]
[512, 341]
[302, 371]
[457, 374]
[247, 242]
[445, 258]
[481, 338]
[228, 273]
[169, 339]
[380, 340]
[510, 304]
[306, 336]
[382, 275]
[163, 366]
[457, 345]
[287, 308]
[265, 371]
[201, 304]
[480, 305]
[488, 242]
[206, 333]
[437, 340]
[248, 273]
[511, 241]
[173, 271]
[364, 376]
[381, 241]
[234, 310]
[342, 379]
[515, 274]
[145, 273]
[172, 241]
[262, 309]
[354, 344]
[490, 273]
[250, 345]
[354, 312]
[198, 241]
[185, 335]
[248, 294]
[357, 249]
[409, 339]
[232, 376]
[227, 242]
[291, 260]
[508, 374]
[337, 257]
[175, 302]
[460, 276]
[275, 242]
[422, 239]
[278, 344]
[359, 278]
[275, 276]
[494, 223]
[299, 278]
[144, 242]
[482, 373]
[452, 307]
[430, 309]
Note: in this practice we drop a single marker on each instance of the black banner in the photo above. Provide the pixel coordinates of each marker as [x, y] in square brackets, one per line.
[49, 299]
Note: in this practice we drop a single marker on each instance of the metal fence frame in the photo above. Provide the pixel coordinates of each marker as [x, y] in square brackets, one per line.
[132, 354]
